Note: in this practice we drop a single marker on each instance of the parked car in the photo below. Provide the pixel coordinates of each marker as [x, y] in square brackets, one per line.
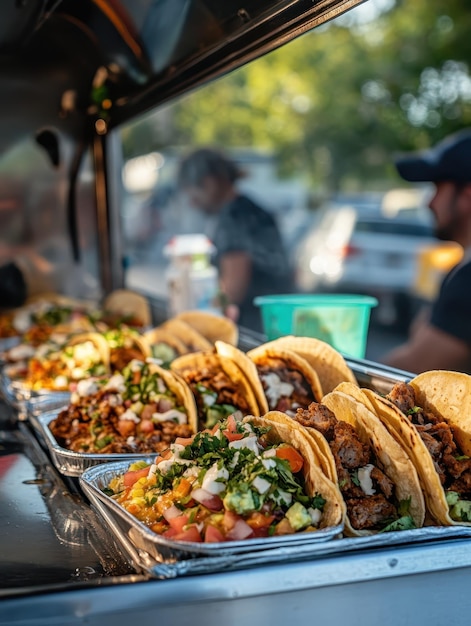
[365, 251]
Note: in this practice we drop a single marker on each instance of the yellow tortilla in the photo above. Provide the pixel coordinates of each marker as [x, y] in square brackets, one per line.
[293, 361]
[329, 364]
[213, 327]
[193, 340]
[128, 303]
[449, 394]
[357, 393]
[315, 481]
[409, 438]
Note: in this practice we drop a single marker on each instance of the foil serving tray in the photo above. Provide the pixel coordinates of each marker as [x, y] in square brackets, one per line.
[160, 549]
[68, 462]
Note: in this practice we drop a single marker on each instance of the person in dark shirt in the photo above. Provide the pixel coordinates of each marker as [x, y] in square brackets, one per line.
[442, 340]
[250, 254]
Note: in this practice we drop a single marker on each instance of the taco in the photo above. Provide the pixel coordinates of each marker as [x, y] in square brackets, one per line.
[288, 381]
[144, 409]
[329, 364]
[164, 346]
[429, 418]
[375, 476]
[219, 386]
[213, 327]
[193, 340]
[125, 344]
[58, 368]
[260, 480]
[124, 306]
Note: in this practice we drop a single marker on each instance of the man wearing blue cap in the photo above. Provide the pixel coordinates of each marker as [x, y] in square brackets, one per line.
[443, 339]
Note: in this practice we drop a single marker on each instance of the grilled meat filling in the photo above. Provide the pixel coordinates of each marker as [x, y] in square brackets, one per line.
[367, 490]
[94, 426]
[212, 387]
[286, 389]
[452, 466]
[120, 357]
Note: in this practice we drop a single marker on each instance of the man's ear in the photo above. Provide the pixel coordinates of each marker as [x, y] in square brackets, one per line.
[466, 191]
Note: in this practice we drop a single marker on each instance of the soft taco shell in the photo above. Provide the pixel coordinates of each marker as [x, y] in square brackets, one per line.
[210, 360]
[178, 386]
[315, 481]
[158, 335]
[125, 302]
[409, 438]
[193, 340]
[329, 364]
[248, 368]
[213, 327]
[357, 393]
[448, 394]
[393, 459]
[293, 361]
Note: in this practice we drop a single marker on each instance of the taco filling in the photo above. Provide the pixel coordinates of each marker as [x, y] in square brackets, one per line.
[216, 395]
[286, 389]
[452, 466]
[123, 349]
[133, 411]
[368, 493]
[54, 367]
[227, 486]
[164, 352]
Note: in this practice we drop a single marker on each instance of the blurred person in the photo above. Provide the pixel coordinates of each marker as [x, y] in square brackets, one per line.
[441, 337]
[250, 254]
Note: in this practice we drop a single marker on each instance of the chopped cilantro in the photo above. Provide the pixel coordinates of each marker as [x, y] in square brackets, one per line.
[354, 477]
[462, 457]
[403, 523]
[318, 502]
[413, 410]
[103, 442]
[107, 491]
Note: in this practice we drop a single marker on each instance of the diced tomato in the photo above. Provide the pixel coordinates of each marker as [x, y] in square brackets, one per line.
[259, 520]
[177, 523]
[136, 378]
[213, 535]
[232, 436]
[230, 519]
[164, 455]
[290, 454]
[184, 441]
[125, 427]
[146, 426]
[231, 424]
[190, 534]
[170, 533]
[131, 477]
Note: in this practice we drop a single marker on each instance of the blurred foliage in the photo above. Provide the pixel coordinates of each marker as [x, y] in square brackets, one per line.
[335, 104]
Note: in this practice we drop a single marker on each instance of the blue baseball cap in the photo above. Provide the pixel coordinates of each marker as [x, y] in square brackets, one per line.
[449, 160]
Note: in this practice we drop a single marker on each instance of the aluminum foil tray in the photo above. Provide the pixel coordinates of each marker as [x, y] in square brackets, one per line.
[163, 559]
[72, 463]
[158, 549]
[9, 342]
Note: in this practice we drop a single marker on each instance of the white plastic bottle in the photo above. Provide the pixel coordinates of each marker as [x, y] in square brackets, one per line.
[192, 282]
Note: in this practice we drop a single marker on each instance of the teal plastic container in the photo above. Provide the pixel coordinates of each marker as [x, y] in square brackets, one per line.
[340, 320]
